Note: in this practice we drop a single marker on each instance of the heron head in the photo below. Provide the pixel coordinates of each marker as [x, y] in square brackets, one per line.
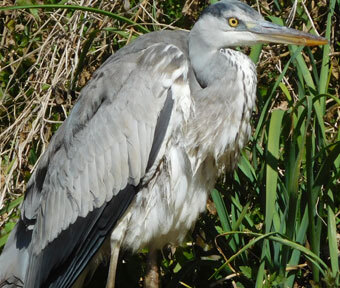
[233, 23]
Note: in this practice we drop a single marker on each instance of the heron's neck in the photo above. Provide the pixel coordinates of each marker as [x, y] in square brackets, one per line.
[224, 105]
[205, 59]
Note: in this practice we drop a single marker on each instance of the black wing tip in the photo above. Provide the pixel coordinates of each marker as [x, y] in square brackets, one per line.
[96, 226]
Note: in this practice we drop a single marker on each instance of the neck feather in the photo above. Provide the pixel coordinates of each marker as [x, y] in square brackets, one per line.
[224, 106]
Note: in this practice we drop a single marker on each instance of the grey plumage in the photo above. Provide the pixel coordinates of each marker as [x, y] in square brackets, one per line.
[134, 162]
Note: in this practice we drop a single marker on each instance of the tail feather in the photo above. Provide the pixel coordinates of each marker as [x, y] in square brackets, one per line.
[15, 257]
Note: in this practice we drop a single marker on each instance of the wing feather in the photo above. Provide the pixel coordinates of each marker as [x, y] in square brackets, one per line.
[134, 153]
[116, 173]
[142, 136]
[124, 163]
[89, 174]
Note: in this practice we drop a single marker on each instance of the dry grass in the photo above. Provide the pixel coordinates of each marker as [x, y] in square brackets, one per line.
[34, 102]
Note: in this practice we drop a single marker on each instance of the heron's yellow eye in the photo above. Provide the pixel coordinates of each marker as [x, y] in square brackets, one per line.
[233, 22]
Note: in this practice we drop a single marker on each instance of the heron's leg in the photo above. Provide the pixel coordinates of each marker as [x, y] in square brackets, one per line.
[116, 240]
[152, 275]
[111, 278]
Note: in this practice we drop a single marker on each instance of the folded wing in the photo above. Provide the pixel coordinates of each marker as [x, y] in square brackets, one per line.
[92, 169]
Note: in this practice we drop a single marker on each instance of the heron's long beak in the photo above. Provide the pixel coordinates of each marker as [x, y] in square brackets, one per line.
[269, 32]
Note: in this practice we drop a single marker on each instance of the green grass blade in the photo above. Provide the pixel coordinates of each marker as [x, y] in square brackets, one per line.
[81, 8]
[271, 167]
[261, 271]
[255, 53]
[266, 106]
[239, 207]
[300, 238]
[246, 167]
[15, 203]
[326, 51]
[332, 237]
[307, 76]
[221, 209]
[311, 198]
[222, 214]
[82, 56]
[240, 218]
[121, 33]
[244, 248]
[286, 92]
[3, 240]
[271, 236]
[327, 165]
[303, 68]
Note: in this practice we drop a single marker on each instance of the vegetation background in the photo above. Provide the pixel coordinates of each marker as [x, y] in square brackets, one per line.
[275, 221]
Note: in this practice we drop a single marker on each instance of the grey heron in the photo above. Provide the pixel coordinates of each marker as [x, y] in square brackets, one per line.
[133, 164]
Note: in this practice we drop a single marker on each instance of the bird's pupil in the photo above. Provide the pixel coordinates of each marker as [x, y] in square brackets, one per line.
[233, 22]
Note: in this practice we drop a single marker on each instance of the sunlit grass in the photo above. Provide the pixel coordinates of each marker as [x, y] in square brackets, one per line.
[295, 164]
